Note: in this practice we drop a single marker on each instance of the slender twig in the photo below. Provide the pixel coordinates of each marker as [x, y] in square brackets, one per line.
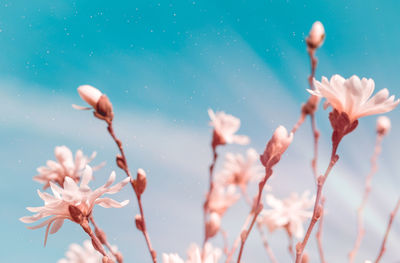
[103, 239]
[317, 207]
[237, 240]
[224, 235]
[318, 235]
[95, 241]
[383, 246]
[367, 190]
[266, 245]
[299, 122]
[153, 253]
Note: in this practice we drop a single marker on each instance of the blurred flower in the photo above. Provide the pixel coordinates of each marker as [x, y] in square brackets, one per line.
[213, 225]
[73, 202]
[316, 36]
[225, 127]
[221, 198]
[383, 125]
[239, 171]
[352, 96]
[171, 258]
[289, 213]
[79, 254]
[276, 146]
[211, 255]
[66, 166]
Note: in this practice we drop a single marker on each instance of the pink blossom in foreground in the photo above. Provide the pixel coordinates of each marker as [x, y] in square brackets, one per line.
[73, 202]
[239, 170]
[383, 125]
[82, 254]
[353, 96]
[316, 36]
[225, 127]
[221, 198]
[276, 146]
[211, 255]
[66, 166]
[289, 213]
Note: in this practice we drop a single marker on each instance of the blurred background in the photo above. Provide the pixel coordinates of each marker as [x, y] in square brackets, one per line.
[163, 64]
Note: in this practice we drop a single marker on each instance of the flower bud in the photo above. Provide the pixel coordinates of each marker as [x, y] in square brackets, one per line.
[76, 214]
[139, 222]
[316, 36]
[305, 258]
[101, 235]
[383, 125]
[276, 146]
[213, 225]
[141, 181]
[107, 260]
[89, 94]
[104, 109]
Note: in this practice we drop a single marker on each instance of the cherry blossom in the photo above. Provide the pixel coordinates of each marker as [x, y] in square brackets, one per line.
[65, 166]
[353, 96]
[289, 213]
[225, 127]
[73, 202]
[240, 170]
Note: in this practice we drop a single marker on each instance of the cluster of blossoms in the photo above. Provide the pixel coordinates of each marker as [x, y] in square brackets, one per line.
[71, 197]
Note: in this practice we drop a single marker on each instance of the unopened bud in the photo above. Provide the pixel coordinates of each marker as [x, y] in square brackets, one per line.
[76, 214]
[89, 94]
[319, 212]
[119, 257]
[104, 109]
[213, 225]
[139, 222]
[121, 162]
[383, 125]
[243, 235]
[316, 36]
[141, 181]
[101, 235]
[276, 146]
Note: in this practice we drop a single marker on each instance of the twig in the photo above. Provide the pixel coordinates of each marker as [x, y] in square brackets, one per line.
[110, 129]
[360, 210]
[383, 247]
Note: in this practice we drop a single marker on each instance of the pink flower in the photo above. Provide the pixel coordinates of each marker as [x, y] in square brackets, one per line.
[90, 94]
[211, 255]
[352, 96]
[222, 198]
[289, 213]
[225, 127]
[73, 202]
[66, 166]
[276, 146]
[79, 254]
[316, 36]
[239, 170]
[383, 125]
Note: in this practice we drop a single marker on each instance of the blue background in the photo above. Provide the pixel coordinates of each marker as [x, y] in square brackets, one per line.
[163, 64]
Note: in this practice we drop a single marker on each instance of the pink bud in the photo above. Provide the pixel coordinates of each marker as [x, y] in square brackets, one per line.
[141, 181]
[213, 225]
[139, 222]
[305, 258]
[89, 94]
[276, 146]
[383, 125]
[316, 36]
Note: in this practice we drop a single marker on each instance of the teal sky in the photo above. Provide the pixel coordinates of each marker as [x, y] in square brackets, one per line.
[163, 64]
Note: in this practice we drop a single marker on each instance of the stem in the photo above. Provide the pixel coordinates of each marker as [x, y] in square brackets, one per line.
[270, 253]
[318, 235]
[210, 189]
[367, 190]
[237, 240]
[224, 235]
[299, 122]
[290, 246]
[104, 239]
[383, 247]
[153, 253]
[255, 210]
[317, 207]
[96, 242]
